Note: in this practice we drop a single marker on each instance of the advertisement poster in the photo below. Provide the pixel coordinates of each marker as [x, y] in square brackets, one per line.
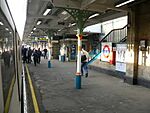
[73, 52]
[106, 50]
[120, 57]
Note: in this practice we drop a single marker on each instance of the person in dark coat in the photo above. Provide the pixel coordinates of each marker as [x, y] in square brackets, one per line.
[6, 56]
[39, 55]
[24, 53]
[45, 53]
[35, 57]
[29, 55]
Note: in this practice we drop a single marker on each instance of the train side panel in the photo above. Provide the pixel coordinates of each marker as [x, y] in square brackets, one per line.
[10, 63]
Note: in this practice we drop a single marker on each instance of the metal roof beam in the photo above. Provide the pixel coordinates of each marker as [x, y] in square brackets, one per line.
[44, 17]
[67, 3]
[49, 27]
[86, 3]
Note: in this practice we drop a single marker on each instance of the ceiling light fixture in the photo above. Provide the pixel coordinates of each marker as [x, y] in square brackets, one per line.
[46, 12]
[93, 15]
[64, 12]
[34, 28]
[1, 23]
[73, 24]
[66, 17]
[70, 25]
[124, 3]
[7, 29]
[39, 22]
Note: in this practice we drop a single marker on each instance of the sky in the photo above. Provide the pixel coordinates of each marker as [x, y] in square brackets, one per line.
[93, 28]
[18, 9]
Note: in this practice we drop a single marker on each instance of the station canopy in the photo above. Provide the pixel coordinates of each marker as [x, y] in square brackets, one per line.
[50, 16]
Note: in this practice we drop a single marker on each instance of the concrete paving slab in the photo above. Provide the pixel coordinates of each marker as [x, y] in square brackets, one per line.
[100, 92]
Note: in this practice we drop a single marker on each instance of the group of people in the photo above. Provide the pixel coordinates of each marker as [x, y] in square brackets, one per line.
[8, 57]
[27, 53]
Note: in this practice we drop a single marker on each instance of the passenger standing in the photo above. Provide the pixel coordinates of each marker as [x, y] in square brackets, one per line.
[29, 55]
[6, 56]
[35, 57]
[24, 53]
[84, 59]
[45, 53]
[39, 55]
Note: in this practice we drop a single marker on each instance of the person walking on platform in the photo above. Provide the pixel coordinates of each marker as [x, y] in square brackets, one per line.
[39, 55]
[24, 54]
[84, 60]
[45, 53]
[35, 57]
[29, 55]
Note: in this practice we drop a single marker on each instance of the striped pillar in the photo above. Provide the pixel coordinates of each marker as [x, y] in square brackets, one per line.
[78, 73]
[49, 53]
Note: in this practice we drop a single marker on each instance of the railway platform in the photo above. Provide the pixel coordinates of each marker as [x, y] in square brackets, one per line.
[55, 91]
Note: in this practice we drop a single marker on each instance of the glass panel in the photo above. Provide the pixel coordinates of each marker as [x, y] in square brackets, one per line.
[6, 55]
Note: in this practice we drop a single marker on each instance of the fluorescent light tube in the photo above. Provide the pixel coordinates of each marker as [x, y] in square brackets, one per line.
[64, 12]
[34, 28]
[124, 3]
[1, 23]
[7, 29]
[93, 15]
[73, 24]
[46, 12]
[66, 17]
[39, 22]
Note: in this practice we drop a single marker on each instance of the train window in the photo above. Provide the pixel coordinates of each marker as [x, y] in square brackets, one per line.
[6, 55]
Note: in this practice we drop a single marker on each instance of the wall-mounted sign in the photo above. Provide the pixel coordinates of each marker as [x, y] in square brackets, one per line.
[106, 50]
[120, 57]
[73, 52]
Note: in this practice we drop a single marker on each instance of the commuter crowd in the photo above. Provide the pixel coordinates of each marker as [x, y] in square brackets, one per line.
[34, 55]
[28, 53]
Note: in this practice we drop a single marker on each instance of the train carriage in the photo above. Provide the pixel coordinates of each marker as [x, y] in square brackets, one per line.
[10, 63]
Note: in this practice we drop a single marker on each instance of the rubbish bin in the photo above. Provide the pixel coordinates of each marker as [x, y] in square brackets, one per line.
[63, 58]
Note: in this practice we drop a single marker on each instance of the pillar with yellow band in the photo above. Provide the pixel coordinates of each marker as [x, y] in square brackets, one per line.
[80, 17]
[79, 48]
[79, 36]
[78, 73]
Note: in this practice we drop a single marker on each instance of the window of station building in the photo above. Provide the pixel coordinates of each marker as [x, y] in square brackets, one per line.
[7, 71]
[114, 24]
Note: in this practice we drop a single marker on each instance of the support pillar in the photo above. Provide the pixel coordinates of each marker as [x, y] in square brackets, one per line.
[49, 54]
[80, 16]
[78, 73]
[133, 48]
[49, 33]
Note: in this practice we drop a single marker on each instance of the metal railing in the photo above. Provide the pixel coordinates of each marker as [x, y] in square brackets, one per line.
[114, 36]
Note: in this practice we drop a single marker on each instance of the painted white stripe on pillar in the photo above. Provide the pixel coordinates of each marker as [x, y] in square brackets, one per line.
[79, 57]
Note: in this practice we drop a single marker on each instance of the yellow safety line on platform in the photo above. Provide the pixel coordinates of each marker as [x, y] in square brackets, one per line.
[36, 107]
[8, 100]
